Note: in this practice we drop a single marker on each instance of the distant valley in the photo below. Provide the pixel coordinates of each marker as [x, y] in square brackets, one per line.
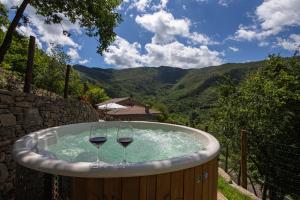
[181, 90]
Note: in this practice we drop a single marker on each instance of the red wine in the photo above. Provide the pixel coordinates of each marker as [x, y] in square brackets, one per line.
[125, 141]
[98, 141]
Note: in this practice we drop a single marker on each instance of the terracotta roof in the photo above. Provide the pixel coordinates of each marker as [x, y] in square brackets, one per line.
[134, 110]
[115, 100]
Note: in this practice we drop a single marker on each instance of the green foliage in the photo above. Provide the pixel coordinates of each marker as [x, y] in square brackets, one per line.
[97, 17]
[229, 192]
[266, 104]
[16, 58]
[48, 71]
[96, 95]
[164, 116]
[3, 17]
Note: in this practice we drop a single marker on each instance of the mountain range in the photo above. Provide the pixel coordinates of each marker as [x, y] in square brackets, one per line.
[181, 90]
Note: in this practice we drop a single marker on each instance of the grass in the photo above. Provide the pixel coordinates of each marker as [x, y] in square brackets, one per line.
[229, 192]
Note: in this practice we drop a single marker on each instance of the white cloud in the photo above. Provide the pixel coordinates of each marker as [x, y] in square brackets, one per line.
[273, 17]
[3, 28]
[177, 54]
[73, 54]
[123, 54]
[165, 28]
[53, 33]
[46, 33]
[143, 5]
[245, 33]
[161, 5]
[164, 48]
[198, 38]
[263, 44]
[27, 31]
[234, 49]
[291, 44]
[10, 3]
[82, 62]
[140, 5]
[224, 3]
[163, 25]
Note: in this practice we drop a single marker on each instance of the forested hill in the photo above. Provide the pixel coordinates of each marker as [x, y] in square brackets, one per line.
[181, 90]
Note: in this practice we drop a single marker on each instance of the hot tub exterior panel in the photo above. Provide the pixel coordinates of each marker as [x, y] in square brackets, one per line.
[177, 185]
[188, 185]
[148, 187]
[130, 185]
[163, 186]
[197, 183]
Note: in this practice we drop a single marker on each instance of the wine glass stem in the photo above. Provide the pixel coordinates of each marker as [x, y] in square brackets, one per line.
[124, 155]
[98, 155]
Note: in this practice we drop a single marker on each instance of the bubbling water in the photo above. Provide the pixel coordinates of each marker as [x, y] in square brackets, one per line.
[148, 145]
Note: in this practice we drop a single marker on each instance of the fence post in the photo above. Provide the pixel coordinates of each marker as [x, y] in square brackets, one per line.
[226, 157]
[206, 128]
[28, 75]
[243, 158]
[67, 82]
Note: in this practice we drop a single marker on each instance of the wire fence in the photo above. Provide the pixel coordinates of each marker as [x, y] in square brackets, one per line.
[273, 168]
[279, 167]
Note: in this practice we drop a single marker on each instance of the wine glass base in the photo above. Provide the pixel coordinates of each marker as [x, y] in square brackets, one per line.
[97, 165]
[124, 164]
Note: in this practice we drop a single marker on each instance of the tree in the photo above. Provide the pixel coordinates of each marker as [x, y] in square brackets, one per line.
[95, 95]
[51, 74]
[97, 17]
[225, 122]
[3, 17]
[266, 104]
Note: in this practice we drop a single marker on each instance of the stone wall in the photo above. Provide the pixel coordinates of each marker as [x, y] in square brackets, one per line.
[21, 114]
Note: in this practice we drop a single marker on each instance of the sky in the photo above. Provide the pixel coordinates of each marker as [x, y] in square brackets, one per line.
[179, 33]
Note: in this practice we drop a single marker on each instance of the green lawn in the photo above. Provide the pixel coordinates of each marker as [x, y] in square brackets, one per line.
[229, 192]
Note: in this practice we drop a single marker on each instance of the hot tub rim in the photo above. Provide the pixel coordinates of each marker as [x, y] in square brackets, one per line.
[27, 158]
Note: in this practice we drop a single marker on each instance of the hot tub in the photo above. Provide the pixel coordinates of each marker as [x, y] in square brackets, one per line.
[188, 171]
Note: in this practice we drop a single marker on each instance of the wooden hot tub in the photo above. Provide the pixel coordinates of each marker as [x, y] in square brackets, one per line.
[188, 177]
[199, 183]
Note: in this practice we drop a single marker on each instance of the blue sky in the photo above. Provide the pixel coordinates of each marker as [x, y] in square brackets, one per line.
[181, 33]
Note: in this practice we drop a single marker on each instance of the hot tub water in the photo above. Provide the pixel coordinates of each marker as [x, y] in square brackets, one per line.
[148, 145]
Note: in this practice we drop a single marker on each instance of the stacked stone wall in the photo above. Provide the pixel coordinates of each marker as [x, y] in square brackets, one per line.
[21, 114]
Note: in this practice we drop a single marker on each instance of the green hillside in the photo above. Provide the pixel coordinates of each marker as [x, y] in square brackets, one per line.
[181, 90]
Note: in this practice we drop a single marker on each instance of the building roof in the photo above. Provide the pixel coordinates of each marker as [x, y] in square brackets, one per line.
[115, 100]
[133, 110]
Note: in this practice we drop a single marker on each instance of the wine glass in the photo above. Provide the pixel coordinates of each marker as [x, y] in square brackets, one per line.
[98, 136]
[125, 138]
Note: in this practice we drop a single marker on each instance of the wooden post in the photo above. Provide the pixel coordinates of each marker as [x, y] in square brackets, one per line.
[67, 81]
[244, 159]
[206, 128]
[28, 75]
[85, 87]
[226, 157]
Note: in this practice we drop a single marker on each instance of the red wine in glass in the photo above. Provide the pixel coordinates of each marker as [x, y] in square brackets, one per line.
[98, 136]
[125, 138]
[98, 141]
[125, 141]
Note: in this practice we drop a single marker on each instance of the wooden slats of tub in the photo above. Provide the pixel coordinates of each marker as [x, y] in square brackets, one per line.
[198, 183]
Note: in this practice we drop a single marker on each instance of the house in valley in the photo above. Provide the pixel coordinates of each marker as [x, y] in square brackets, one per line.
[127, 109]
